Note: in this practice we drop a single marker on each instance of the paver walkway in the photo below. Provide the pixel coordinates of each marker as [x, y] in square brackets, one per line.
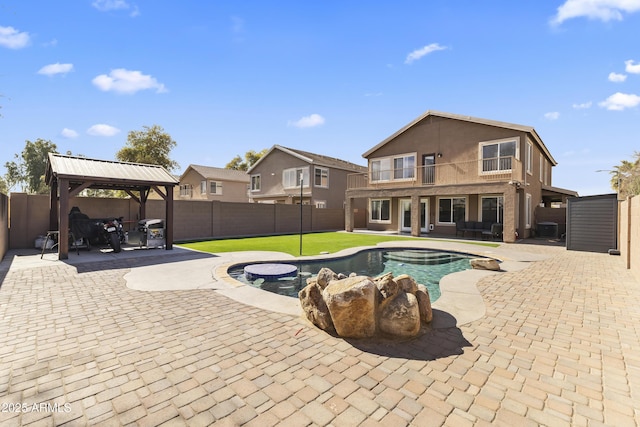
[559, 346]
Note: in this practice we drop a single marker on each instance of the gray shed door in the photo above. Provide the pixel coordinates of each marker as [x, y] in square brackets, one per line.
[592, 223]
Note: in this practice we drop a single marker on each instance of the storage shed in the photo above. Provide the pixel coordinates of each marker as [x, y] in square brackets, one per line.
[592, 223]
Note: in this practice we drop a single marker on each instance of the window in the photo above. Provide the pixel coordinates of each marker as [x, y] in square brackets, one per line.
[497, 156]
[492, 209]
[400, 167]
[215, 187]
[380, 170]
[185, 190]
[255, 182]
[381, 210]
[527, 212]
[529, 158]
[541, 166]
[451, 210]
[203, 187]
[321, 177]
[291, 177]
[404, 167]
[321, 204]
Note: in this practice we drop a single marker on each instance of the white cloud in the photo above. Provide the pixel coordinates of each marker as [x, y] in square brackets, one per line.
[582, 106]
[69, 133]
[11, 38]
[632, 68]
[419, 53]
[617, 78]
[57, 68]
[108, 5]
[310, 121]
[125, 81]
[604, 10]
[102, 130]
[619, 101]
[554, 115]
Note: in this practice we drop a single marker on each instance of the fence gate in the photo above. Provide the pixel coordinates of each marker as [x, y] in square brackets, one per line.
[592, 223]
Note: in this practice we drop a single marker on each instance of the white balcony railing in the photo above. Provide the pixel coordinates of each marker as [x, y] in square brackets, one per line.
[471, 172]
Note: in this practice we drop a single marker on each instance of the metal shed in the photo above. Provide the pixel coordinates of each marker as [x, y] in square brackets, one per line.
[592, 223]
[69, 175]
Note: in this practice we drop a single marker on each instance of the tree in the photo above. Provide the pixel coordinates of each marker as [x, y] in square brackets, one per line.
[151, 146]
[30, 166]
[250, 158]
[625, 178]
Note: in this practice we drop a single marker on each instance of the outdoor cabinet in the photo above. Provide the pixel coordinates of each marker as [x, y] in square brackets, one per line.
[150, 233]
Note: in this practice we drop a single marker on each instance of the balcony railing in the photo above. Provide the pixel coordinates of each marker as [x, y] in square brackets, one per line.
[497, 169]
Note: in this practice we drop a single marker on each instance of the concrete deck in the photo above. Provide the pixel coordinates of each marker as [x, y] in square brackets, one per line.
[154, 337]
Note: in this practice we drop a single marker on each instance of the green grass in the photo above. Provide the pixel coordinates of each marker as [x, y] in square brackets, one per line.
[312, 243]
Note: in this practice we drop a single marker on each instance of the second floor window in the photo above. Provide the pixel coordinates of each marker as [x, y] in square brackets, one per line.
[215, 187]
[399, 167]
[291, 177]
[255, 182]
[321, 177]
[185, 190]
[498, 156]
[203, 187]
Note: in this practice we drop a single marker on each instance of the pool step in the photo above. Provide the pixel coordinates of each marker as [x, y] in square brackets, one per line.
[428, 258]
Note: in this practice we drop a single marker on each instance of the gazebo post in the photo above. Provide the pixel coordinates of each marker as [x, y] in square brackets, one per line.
[63, 218]
[53, 205]
[168, 205]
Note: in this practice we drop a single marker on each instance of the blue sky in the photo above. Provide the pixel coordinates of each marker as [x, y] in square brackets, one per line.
[330, 77]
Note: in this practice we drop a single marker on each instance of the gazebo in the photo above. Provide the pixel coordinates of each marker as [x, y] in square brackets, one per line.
[69, 175]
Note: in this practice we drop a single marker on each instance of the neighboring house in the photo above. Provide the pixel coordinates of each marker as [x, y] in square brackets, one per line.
[442, 169]
[210, 183]
[276, 178]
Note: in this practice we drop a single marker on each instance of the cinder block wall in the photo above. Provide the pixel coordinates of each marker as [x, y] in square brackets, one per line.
[193, 219]
[4, 225]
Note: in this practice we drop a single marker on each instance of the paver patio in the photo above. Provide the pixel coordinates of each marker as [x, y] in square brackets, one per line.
[559, 346]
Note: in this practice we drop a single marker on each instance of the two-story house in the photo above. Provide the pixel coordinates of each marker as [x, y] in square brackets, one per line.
[442, 169]
[278, 175]
[211, 183]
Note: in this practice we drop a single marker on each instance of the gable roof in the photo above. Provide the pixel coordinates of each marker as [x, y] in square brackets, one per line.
[521, 128]
[223, 174]
[106, 173]
[314, 159]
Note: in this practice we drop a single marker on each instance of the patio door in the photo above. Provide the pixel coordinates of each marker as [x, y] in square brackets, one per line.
[405, 215]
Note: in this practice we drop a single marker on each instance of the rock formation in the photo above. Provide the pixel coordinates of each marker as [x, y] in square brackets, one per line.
[362, 307]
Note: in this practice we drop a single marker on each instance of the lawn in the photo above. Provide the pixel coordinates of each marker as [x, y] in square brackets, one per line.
[312, 243]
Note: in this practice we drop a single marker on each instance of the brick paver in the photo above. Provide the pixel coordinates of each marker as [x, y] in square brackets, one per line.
[559, 345]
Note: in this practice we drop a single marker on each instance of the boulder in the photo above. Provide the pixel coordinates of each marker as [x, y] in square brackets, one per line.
[407, 283]
[401, 316]
[424, 304]
[485, 264]
[325, 275]
[352, 305]
[314, 307]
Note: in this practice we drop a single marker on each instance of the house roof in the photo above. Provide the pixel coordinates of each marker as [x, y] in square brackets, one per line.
[106, 173]
[314, 159]
[210, 172]
[521, 128]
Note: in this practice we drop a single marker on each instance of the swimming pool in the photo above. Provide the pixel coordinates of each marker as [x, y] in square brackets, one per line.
[426, 266]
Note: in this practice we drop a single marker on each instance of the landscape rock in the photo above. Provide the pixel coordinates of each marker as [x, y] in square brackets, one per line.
[325, 275]
[424, 304]
[314, 307]
[352, 305]
[485, 264]
[407, 283]
[401, 316]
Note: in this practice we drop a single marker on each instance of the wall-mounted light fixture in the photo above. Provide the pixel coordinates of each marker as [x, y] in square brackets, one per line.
[439, 155]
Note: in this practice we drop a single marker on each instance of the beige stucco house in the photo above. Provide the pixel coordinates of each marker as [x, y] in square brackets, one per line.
[211, 183]
[444, 169]
[276, 178]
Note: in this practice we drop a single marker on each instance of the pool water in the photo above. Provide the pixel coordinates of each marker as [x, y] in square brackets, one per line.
[426, 266]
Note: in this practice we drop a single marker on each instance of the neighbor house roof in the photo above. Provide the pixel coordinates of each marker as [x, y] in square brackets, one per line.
[314, 159]
[222, 174]
[106, 173]
[528, 129]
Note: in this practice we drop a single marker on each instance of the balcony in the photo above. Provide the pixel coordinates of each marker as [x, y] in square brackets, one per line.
[499, 169]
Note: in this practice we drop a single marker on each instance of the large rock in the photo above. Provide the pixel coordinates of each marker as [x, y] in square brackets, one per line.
[485, 264]
[325, 275]
[314, 306]
[407, 283]
[352, 305]
[401, 316]
[424, 304]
